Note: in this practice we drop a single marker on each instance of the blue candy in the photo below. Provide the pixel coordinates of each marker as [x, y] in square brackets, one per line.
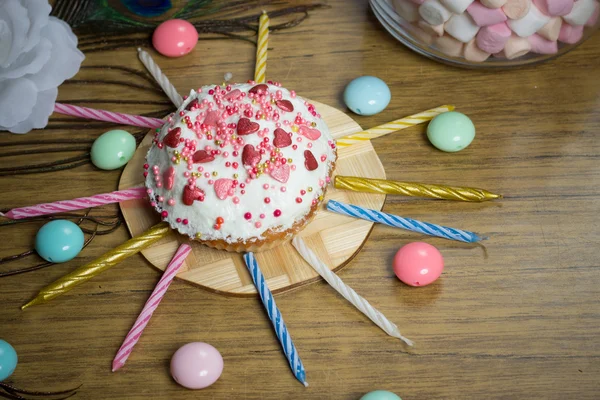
[59, 241]
[8, 360]
[367, 95]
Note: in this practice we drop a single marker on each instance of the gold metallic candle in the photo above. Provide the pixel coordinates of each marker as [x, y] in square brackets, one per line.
[393, 126]
[413, 189]
[260, 70]
[99, 265]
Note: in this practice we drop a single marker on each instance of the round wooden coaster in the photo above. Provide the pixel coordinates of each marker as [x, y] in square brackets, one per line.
[336, 239]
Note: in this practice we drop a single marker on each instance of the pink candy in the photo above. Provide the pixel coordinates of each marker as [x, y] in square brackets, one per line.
[540, 45]
[175, 38]
[554, 8]
[418, 264]
[492, 39]
[196, 365]
[570, 34]
[484, 16]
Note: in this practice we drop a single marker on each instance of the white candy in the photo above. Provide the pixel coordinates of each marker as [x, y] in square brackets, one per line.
[461, 27]
[434, 12]
[456, 6]
[581, 12]
[533, 21]
[407, 10]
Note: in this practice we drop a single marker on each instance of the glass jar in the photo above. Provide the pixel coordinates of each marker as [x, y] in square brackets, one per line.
[481, 33]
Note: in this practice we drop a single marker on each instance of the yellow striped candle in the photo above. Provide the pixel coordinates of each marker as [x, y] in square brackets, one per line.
[413, 189]
[101, 264]
[393, 126]
[260, 71]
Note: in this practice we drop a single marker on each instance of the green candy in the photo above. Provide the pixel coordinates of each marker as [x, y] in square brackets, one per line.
[451, 131]
[380, 395]
[113, 149]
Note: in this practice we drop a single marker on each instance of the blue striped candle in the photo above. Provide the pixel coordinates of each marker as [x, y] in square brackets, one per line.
[275, 316]
[404, 223]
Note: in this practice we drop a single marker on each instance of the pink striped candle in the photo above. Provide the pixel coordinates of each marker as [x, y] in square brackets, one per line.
[108, 116]
[76, 204]
[151, 304]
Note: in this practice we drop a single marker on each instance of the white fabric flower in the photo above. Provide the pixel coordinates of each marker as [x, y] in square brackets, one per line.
[37, 54]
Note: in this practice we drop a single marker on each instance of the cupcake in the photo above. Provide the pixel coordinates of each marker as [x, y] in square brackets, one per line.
[242, 167]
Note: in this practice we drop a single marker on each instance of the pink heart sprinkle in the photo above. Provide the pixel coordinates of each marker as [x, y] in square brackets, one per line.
[212, 117]
[222, 187]
[282, 173]
[169, 178]
[310, 133]
[233, 95]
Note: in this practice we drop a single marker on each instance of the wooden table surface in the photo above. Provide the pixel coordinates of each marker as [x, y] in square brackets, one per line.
[520, 320]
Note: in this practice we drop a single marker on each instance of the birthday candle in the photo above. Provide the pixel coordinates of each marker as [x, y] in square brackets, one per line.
[108, 116]
[404, 223]
[151, 305]
[76, 204]
[413, 189]
[347, 292]
[393, 126]
[101, 264]
[276, 319]
[260, 70]
[160, 78]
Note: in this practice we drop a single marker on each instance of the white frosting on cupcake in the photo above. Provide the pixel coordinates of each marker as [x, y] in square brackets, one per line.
[203, 170]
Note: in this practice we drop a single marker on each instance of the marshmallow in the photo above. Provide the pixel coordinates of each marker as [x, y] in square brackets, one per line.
[437, 30]
[554, 8]
[456, 6]
[530, 23]
[418, 2]
[474, 53]
[541, 45]
[484, 16]
[461, 27]
[407, 10]
[448, 45]
[425, 37]
[493, 3]
[570, 34]
[582, 9]
[594, 18]
[516, 9]
[551, 30]
[434, 13]
[516, 47]
[492, 39]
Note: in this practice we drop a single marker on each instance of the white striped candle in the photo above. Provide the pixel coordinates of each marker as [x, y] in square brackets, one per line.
[151, 304]
[160, 78]
[347, 292]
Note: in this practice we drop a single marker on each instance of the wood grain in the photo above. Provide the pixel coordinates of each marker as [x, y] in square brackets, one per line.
[337, 239]
[520, 323]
